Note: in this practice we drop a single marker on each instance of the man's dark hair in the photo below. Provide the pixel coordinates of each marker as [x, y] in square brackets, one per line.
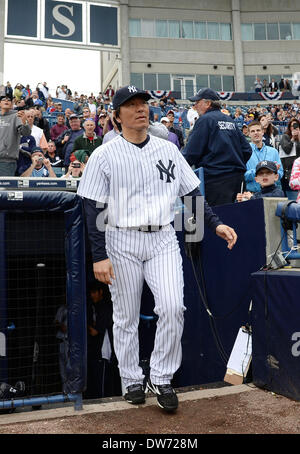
[117, 114]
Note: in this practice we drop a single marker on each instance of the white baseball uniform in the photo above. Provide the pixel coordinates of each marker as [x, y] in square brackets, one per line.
[141, 186]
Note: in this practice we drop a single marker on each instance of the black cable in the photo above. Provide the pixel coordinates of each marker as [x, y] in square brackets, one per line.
[219, 317]
[268, 267]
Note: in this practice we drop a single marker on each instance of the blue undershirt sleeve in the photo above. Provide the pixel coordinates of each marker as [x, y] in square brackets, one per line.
[96, 236]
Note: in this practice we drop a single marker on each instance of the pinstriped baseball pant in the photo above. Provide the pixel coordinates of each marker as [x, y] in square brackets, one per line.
[155, 257]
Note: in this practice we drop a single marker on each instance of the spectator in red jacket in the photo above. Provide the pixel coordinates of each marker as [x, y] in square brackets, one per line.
[59, 128]
[110, 92]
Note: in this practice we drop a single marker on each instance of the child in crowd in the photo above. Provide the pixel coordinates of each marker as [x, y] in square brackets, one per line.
[266, 174]
[75, 170]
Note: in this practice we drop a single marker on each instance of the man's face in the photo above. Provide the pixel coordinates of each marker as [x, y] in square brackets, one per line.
[75, 124]
[202, 106]
[266, 177]
[134, 114]
[68, 112]
[86, 113]
[89, 127]
[38, 159]
[51, 147]
[102, 120]
[30, 116]
[256, 133]
[5, 104]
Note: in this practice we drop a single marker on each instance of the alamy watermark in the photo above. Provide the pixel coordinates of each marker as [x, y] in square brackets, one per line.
[138, 210]
[296, 346]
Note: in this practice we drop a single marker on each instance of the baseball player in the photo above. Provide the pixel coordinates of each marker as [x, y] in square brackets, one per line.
[137, 178]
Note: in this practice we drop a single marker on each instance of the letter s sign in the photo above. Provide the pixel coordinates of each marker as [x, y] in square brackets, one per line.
[63, 21]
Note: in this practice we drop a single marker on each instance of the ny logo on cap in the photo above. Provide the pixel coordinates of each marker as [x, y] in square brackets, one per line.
[132, 89]
[168, 171]
[263, 163]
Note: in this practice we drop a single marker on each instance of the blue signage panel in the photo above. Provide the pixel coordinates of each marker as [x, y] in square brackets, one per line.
[63, 20]
[103, 25]
[22, 18]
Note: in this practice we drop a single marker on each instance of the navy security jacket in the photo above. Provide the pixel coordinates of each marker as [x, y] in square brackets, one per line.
[217, 144]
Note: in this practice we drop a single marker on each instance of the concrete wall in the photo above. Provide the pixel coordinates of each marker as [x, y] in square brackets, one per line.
[188, 56]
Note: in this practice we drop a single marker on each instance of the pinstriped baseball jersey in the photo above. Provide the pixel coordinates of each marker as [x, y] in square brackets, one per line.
[140, 184]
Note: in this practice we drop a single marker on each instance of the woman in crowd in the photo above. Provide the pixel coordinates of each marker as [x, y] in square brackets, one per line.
[270, 131]
[289, 150]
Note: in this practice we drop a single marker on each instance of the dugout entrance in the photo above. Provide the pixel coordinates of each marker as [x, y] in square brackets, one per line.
[42, 268]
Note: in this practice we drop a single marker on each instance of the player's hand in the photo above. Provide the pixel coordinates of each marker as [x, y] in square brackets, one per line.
[104, 271]
[228, 234]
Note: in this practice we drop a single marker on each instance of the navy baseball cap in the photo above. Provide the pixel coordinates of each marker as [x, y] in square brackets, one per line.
[36, 150]
[205, 93]
[270, 165]
[129, 91]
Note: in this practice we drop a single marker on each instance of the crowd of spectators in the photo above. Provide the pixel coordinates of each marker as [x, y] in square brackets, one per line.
[273, 86]
[68, 133]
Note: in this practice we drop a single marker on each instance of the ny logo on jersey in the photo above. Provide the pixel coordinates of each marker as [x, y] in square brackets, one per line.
[167, 171]
[132, 89]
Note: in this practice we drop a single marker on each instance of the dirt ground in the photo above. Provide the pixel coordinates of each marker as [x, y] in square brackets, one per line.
[254, 412]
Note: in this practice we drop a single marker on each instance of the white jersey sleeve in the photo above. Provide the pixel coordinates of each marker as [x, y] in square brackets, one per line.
[94, 183]
[188, 179]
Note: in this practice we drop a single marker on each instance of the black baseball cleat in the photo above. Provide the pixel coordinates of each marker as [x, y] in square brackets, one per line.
[165, 394]
[135, 394]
